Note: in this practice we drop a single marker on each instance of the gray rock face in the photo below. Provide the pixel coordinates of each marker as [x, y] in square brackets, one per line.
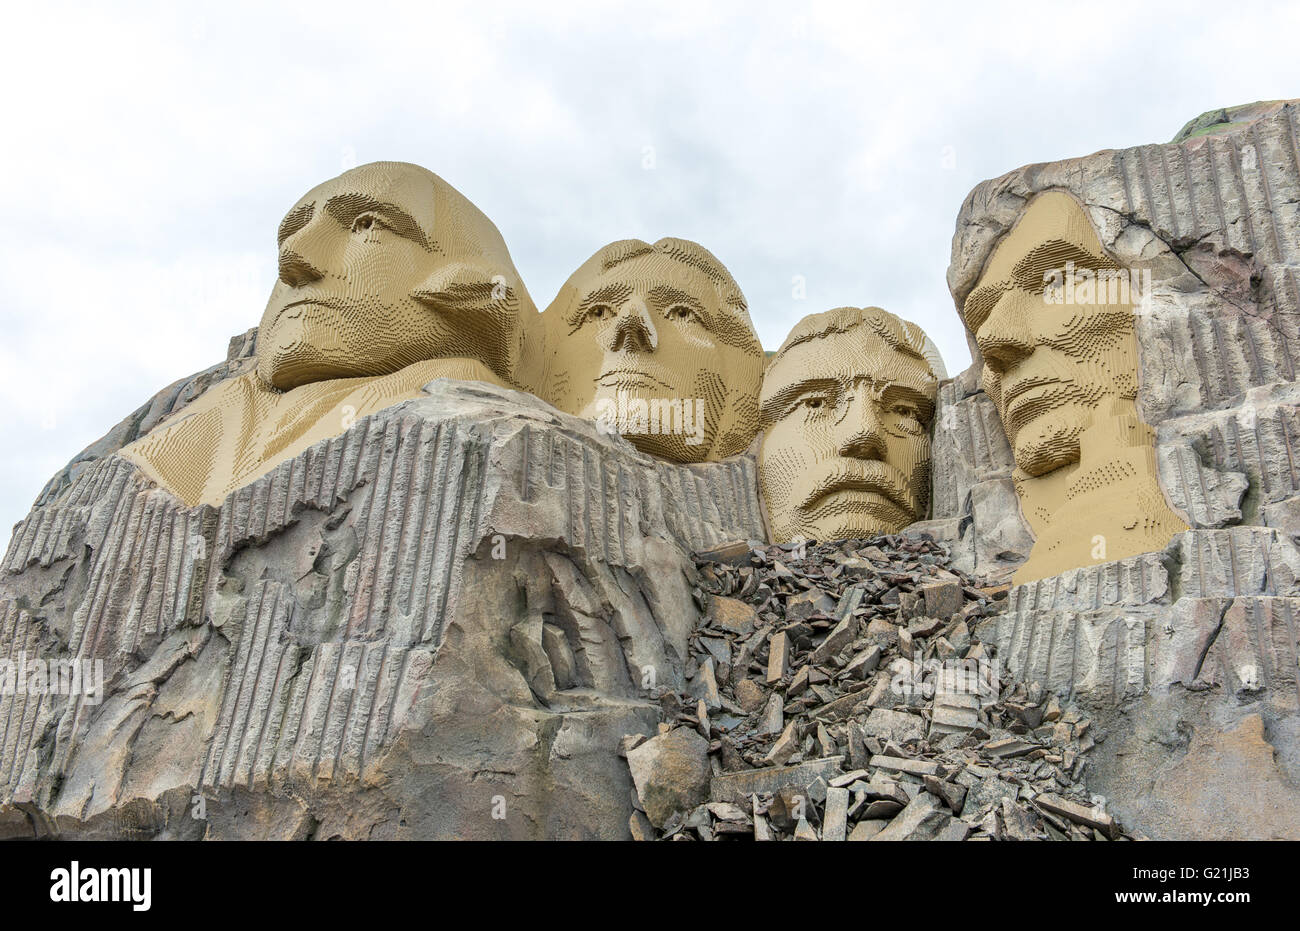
[438, 624]
[976, 510]
[1189, 655]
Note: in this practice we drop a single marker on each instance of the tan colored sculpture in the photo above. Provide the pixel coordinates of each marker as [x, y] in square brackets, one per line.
[846, 407]
[1054, 319]
[655, 343]
[388, 278]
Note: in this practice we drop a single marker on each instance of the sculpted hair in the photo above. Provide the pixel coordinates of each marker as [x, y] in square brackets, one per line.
[906, 337]
[693, 255]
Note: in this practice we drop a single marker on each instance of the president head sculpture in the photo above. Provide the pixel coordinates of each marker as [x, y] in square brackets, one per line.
[381, 267]
[387, 279]
[654, 342]
[846, 408]
[1053, 316]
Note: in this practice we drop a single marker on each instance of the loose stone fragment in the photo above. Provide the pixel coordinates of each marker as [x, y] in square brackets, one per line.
[900, 765]
[799, 684]
[863, 664]
[1080, 814]
[836, 641]
[952, 794]
[1017, 823]
[778, 657]
[866, 830]
[640, 826]
[924, 818]
[926, 626]
[707, 686]
[731, 615]
[835, 821]
[882, 633]
[630, 742]
[954, 714]
[806, 604]
[735, 553]
[749, 695]
[735, 787]
[1009, 747]
[785, 745]
[671, 773]
[773, 716]
[942, 599]
[898, 726]
[990, 791]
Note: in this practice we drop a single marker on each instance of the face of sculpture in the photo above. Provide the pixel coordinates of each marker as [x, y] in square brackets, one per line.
[846, 443]
[1050, 360]
[354, 255]
[651, 336]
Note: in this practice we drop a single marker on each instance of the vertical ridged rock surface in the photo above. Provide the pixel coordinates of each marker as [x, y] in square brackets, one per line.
[436, 625]
[1189, 655]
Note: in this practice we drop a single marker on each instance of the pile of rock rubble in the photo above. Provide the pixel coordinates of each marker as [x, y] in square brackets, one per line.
[841, 691]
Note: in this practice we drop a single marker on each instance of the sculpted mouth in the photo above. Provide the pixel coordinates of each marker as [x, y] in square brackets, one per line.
[859, 483]
[878, 488]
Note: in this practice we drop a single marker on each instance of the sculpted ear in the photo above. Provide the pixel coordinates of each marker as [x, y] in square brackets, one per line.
[740, 423]
[481, 306]
[462, 287]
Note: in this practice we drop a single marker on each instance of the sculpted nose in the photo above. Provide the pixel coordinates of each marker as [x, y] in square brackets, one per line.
[634, 331]
[860, 434]
[295, 270]
[1005, 337]
[301, 256]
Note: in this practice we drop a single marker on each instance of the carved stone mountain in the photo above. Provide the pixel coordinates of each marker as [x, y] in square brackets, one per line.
[1191, 652]
[437, 624]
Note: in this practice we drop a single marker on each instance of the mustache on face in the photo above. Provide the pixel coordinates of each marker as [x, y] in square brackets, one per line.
[873, 476]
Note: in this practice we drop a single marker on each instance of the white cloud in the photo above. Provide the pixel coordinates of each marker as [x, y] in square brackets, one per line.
[153, 148]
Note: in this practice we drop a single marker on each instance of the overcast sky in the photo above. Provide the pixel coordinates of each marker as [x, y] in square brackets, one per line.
[150, 152]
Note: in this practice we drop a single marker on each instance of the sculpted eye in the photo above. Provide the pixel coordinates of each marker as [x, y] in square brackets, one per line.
[681, 312]
[365, 222]
[813, 402]
[907, 417]
[600, 312]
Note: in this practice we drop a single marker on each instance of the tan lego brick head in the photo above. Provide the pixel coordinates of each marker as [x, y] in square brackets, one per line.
[655, 341]
[846, 408]
[384, 266]
[388, 278]
[1049, 365]
[1053, 316]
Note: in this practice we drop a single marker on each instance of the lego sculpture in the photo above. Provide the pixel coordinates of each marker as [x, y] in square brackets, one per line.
[388, 278]
[654, 342]
[1053, 317]
[846, 408]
